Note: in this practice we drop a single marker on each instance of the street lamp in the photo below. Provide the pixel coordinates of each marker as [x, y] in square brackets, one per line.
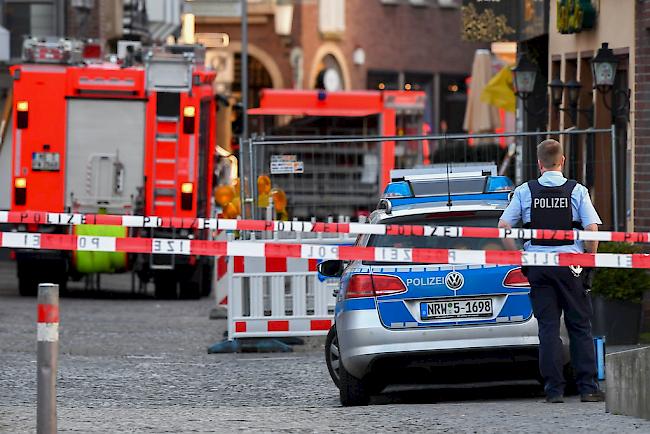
[573, 90]
[524, 74]
[557, 88]
[572, 87]
[603, 68]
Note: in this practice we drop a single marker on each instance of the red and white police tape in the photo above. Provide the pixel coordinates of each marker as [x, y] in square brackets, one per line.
[131, 221]
[315, 251]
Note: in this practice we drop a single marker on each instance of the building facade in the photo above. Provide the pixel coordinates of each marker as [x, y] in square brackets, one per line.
[608, 171]
[362, 44]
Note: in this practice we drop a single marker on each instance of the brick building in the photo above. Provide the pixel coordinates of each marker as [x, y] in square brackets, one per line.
[642, 117]
[375, 44]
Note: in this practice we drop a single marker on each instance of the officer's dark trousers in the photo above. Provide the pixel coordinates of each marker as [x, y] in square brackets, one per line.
[555, 290]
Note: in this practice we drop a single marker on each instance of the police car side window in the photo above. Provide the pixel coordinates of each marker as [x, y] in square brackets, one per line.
[362, 240]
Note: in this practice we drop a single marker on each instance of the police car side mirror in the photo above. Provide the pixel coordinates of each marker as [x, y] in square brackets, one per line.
[332, 268]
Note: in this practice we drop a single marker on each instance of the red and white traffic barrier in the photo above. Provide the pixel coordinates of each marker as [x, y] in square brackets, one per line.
[316, 251]
[35, 217]
[278, 297]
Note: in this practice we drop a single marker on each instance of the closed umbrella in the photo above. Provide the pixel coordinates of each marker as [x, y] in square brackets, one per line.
[479, 116]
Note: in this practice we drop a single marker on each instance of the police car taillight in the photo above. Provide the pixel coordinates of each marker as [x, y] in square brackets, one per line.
[516, 279]
[387, 285]
[366, 285]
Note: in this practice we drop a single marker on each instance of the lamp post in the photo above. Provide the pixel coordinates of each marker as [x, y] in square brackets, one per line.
[603, 68]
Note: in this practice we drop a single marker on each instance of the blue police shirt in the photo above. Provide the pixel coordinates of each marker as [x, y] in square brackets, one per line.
[582, 208]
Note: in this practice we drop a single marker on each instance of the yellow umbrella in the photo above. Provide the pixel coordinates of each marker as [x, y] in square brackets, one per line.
[499, 92]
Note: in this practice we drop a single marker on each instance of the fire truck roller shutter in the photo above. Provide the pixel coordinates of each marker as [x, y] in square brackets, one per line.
[5, 169]
[105, 147]
[105, 168]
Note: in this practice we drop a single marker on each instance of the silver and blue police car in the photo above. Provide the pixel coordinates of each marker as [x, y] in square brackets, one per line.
[413, 323]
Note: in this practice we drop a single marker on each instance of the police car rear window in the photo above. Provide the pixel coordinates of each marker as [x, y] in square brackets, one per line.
[464, 218]
[456, 186]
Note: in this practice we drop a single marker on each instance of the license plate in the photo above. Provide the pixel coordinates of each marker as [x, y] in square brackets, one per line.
[45, 161]
[466, 308]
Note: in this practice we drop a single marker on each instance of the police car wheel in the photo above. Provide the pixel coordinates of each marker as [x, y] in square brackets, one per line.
[332, 358]
[352, 391]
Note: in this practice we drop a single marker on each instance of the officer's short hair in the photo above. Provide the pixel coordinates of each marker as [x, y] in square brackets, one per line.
[550, 153]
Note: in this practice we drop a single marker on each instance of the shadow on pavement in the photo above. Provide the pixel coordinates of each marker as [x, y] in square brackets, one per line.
[106, 294]
[455, 393]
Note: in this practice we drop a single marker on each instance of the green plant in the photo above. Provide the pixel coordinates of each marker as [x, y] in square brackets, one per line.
[621, 283]
[644, 338]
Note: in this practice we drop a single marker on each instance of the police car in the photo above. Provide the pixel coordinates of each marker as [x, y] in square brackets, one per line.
[409, 323]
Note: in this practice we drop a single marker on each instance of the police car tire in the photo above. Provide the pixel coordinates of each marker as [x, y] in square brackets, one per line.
[352, 391]
[332, 338]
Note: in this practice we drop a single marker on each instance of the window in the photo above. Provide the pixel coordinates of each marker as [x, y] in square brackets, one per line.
[331, 16]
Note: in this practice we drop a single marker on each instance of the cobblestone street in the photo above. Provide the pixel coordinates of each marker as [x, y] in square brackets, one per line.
[137, 364]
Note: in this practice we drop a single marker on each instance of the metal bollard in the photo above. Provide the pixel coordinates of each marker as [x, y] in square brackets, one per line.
[48, 349]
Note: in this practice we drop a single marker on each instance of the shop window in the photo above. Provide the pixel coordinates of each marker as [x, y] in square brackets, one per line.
[331, 16]
[258, 79]
[383, 80]
[453, 99]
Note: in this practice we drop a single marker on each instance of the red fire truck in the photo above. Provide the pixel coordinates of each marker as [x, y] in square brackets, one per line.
[109, 138]
[337, 178]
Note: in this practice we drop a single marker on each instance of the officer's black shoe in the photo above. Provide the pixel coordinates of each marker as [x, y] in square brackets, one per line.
[597, 396]
[555, 399]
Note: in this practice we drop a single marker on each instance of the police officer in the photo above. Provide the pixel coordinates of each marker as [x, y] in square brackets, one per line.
[554, 202]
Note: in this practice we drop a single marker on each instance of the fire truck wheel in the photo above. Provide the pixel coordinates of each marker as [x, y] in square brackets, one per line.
[165, 286]
[206, 278]
[27, 287]
[190, 290]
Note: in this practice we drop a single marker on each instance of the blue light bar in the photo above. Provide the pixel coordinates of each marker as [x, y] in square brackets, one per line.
[498, 183]
[398, 189]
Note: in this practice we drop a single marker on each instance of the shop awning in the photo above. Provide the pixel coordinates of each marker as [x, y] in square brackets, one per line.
[296, 111]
